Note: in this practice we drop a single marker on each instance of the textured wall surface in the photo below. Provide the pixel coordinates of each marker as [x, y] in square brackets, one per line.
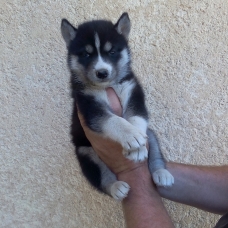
[180, 53]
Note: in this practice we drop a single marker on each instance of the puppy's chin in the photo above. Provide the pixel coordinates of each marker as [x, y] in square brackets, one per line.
[101, 84]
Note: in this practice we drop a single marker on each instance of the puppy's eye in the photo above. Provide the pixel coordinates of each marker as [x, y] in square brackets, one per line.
[85, 54]
[112, 52]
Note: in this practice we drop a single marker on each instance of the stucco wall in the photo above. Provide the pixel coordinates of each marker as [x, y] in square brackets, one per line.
[180, 50]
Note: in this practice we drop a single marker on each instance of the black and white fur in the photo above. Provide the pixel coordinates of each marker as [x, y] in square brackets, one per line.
[99, 57]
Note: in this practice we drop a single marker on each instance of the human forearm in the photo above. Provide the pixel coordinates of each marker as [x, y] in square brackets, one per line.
[199, 186]
[143, 207]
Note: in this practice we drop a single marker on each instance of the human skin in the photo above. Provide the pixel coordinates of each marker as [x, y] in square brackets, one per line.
[204, 187]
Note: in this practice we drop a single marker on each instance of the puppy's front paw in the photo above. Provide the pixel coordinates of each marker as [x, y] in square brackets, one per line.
[132, 140]
[119, 190]
[138, 155]
[163, 177]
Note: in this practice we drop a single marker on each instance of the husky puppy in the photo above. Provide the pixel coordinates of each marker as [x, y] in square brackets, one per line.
[99, 57]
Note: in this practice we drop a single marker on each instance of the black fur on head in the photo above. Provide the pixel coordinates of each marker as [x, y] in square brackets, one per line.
[122, 27]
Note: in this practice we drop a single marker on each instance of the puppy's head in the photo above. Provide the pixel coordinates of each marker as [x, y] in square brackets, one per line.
[98, 53]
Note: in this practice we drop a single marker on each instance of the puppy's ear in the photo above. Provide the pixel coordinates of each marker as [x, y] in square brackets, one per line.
[68, 31]
[123, 25]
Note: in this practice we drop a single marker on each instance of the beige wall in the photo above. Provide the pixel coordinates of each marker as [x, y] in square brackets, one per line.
[179, 51]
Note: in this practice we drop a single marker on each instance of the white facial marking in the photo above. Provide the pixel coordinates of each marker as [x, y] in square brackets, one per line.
[74, 65]
[107, 46]
[101, 64]
[97, 42]
[124, 58]
[123, 63]
[89, 48]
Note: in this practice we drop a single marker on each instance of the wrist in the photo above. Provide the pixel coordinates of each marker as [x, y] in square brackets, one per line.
[140, 181]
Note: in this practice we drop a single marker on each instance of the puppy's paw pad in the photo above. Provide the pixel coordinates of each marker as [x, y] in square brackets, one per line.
[163, 178]
[138, 156]
[119, 190]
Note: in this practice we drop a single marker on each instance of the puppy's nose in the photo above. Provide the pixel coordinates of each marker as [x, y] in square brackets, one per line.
[102, 73]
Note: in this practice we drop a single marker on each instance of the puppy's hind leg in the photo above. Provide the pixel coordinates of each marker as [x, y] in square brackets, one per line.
[101, 177]
[156, 162]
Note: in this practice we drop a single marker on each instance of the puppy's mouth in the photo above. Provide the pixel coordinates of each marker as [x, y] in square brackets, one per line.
[102, 82]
